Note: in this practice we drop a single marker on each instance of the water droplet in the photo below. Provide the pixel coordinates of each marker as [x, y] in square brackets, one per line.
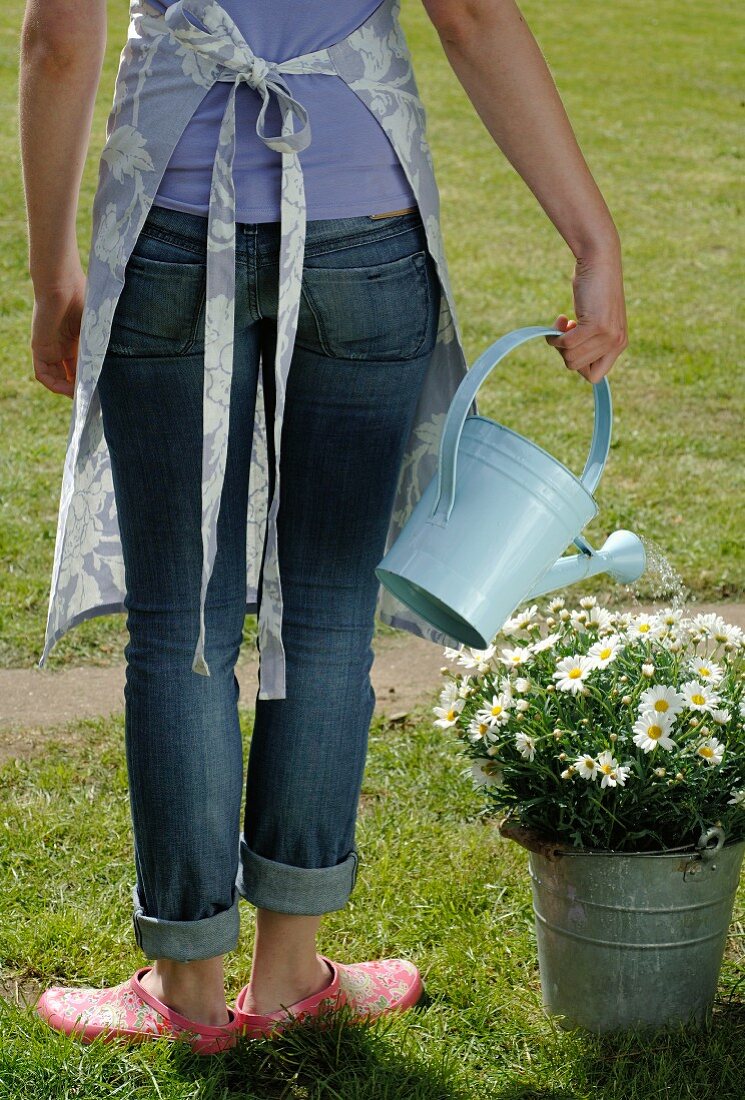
[660, 579]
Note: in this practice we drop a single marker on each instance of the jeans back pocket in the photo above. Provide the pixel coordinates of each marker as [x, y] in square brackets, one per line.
[160, 311]
[378, 312]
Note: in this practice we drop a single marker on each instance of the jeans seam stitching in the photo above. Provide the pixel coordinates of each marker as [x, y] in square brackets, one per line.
[363, 237]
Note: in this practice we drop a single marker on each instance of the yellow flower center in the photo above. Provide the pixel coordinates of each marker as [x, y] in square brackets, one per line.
[607, 769]
[483, 728]
[661, 705]
[704, 672]
[707, 751]
[698, 699]
[605, 653]
[643, 629]
[575, 673]
[451, 715]
[654, 732]
[589, 762]
[496, 709]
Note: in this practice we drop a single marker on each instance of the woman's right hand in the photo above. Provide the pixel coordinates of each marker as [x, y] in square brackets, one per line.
[55, 332]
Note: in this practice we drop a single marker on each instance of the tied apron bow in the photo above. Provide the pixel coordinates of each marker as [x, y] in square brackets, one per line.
[220, 45]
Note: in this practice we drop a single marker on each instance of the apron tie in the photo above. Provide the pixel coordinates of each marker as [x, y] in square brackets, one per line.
[222, 45]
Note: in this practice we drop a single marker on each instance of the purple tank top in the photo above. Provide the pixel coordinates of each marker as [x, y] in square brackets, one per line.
[350, 167]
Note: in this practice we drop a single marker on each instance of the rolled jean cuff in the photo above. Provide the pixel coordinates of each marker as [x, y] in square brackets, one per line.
[186, 940]
[268, 884]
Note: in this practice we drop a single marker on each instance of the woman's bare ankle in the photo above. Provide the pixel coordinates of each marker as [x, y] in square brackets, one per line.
[195, 990]
[286, 966]
[285, 989]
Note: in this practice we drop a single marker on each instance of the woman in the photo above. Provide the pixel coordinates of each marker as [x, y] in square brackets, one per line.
[362, 334]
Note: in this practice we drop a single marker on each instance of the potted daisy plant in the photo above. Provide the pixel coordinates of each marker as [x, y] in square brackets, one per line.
[611, 745]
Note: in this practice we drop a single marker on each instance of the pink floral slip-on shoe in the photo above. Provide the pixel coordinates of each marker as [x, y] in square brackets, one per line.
[370, 989]
[128, 1011]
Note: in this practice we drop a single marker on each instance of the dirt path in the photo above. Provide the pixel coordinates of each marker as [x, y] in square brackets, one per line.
[36, 703]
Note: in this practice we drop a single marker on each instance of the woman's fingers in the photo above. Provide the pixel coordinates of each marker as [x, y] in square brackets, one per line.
[588, 348]
[54, 376]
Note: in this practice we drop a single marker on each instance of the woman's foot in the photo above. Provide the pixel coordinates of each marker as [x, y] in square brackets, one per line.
[366, 990]
[132, 1013]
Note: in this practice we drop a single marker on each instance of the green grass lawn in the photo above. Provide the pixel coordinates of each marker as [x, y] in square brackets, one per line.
[655, 102]
[437, 884]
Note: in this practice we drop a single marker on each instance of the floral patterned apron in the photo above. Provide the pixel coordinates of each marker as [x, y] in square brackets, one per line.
[166, 67]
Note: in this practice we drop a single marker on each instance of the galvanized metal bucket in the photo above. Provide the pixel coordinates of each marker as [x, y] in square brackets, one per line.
[631, 940]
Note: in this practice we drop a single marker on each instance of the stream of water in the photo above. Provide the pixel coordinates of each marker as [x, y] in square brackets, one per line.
[660, 579]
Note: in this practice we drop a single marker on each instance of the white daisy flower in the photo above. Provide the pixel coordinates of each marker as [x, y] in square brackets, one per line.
[699, 696]
[525, 618]
[612, 772]
[586, 766]
[466, 687]
[670, 616]
[600, 620]
[486, 772]
[522, 685]
[525, 745]
[738, 798]
[706, 671]
[651, 730]
[543, 643]
[571, 672]
[556, 604]
[712, 750]
[661, 699]
[644, 626]
[588, 602]
[728, 634]
[579, 618]
[707, 625]
[605, 651]
[496, 713]
[449, 693]
[474, 658]
[478, 730]
[448, 715]
[721, 717]
[514, 657]
[522, 705]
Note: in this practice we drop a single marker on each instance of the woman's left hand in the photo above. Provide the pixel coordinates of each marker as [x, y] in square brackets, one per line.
[594, 341]
[55, 332]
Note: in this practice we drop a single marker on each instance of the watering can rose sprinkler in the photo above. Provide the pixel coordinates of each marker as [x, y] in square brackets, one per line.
[490, 529]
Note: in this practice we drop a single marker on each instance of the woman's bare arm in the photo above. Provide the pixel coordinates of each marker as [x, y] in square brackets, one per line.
[61, 55]
[500, 65]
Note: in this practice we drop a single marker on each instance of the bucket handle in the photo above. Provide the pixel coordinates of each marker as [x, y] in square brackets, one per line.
[464, 397]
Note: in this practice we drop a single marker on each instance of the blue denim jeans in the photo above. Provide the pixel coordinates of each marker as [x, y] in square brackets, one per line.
[367, 327]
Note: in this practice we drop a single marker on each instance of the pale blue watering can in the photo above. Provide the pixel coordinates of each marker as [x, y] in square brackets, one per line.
[490, 528]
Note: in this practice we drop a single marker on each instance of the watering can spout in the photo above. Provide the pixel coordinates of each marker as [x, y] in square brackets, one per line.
[622, 555]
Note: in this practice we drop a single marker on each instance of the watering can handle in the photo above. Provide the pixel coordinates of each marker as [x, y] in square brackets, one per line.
[464, 397]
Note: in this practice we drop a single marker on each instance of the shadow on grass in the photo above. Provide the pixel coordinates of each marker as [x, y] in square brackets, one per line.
[381, 1060]
[377, 1061]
